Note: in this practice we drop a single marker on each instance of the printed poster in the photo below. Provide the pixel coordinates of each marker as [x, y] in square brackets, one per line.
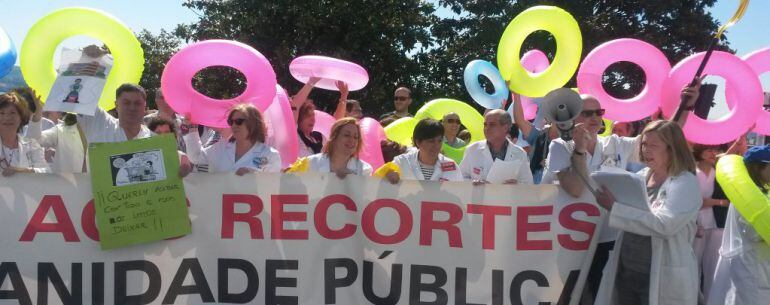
[138, 196]
[79, 84]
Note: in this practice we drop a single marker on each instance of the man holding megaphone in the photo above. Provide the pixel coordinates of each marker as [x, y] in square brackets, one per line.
[580, 151]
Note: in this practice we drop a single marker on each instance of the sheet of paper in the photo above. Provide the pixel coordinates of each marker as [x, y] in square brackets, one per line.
[79, 84]
[628, 188]
[502, 171]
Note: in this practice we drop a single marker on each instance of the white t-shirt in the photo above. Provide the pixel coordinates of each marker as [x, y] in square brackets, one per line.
[611, 151]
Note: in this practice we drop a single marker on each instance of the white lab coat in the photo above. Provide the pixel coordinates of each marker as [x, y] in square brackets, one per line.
[477, 162]
[320, 163]
[70, 155]
[743, 270]
[671, 226]
[102, 127]
[445, 169]
[28, 155]
[99, 128]
[220, 157]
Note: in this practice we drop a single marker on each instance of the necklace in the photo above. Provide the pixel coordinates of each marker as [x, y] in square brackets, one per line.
[7, 158]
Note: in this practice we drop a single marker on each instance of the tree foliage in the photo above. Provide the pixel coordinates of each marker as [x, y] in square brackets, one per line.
[380, 35]
[158, 49]
[424, 45]
[678, 28]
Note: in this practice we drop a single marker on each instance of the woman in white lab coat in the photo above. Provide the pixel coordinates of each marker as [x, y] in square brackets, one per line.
[19, 154]
[743, 270]
[244, 152]
[426, 162]
[653, 261]
[339, 155]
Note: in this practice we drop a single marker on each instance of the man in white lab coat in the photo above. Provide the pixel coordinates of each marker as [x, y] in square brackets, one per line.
[480, 155]
[131, 101]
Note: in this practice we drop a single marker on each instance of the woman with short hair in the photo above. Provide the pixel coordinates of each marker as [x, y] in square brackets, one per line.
[19, 154]
[426, 162]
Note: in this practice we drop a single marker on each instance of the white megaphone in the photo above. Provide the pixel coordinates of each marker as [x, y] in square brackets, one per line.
[562, 106]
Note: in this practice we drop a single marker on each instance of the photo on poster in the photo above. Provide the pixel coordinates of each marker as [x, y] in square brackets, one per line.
[137, 167]
[79, 84]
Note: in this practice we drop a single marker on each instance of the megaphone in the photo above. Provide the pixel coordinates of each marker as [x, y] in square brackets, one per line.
[562, 106]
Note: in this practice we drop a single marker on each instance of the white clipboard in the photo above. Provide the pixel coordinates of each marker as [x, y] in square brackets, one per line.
[628, 188]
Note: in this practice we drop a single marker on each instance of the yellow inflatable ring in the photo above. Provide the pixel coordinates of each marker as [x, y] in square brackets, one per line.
[469, 116]
[747, 198]
[37, 51]
[569, 42]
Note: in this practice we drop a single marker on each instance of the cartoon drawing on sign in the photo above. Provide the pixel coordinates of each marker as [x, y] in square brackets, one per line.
[72, 97]
[139, 167]
[79, 84]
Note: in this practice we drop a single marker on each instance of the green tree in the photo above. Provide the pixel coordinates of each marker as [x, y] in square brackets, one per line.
[473, 29]
[158, 49]
[384, 36]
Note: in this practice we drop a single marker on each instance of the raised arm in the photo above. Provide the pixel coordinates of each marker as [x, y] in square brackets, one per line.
[301, 96]
[689, 96]
[342, 103]
[518, 116]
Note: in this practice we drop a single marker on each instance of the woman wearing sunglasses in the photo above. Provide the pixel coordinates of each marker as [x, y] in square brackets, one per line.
[339, 155]
[19, 155]
[244, 152]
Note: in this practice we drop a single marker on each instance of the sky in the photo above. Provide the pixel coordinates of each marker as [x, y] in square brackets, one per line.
[153, 15]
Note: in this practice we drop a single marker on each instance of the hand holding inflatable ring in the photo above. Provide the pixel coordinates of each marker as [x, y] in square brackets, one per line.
[747, 100]
[37, 51]
[330, 70]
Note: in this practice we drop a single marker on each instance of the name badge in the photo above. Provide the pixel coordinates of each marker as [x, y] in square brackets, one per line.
[448, 166]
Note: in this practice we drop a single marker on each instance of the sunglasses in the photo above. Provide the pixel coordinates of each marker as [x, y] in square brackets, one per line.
[589, 113]
[401, 98]
[452, 121]
[238, 122]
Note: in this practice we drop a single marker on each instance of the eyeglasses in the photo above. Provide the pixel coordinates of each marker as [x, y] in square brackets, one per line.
[452, 121]
[589, 113]
[238, 122]
[401, 98]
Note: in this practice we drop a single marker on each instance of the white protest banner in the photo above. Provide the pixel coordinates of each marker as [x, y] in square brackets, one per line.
[307, 239]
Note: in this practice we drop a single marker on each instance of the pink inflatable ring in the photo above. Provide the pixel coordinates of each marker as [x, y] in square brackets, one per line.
[330, 70]
[759, 61]
[746, 106]
[646, 56]
[184, 99]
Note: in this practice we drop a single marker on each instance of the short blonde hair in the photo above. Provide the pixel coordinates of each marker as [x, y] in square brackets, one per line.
[336, 129]
[680, 157]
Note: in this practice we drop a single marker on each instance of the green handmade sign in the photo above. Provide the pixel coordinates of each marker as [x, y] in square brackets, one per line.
[138, 195]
